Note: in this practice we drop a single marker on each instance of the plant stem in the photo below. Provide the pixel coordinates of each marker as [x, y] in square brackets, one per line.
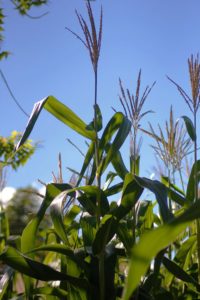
[134, 172]
[98, 183]
[196, 194]
[170, 206]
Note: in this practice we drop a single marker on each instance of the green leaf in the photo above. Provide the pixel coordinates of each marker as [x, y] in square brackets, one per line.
[165, 180]
[91, 126]
[88, 226]
[122, 125]
[87, 160]
[178, 272]
[29, 234]
[4, 54]
[105, 232]
[114, 189]
[125, 235]
[119, 165]
[160, 192]
[185, 252]
[37, 270]
[144, 214]
[190, 128]
[176, 197]
[61, 112]
[130, 195]
[53, 291]
[57, 216]
[135, 165]
[89, 199]
[191, 182]
[141, 254]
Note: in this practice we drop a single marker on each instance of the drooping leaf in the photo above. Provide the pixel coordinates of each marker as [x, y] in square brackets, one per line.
[61, 112]
[37, 270]
[190, 128]
[178, 272]
[160, 192]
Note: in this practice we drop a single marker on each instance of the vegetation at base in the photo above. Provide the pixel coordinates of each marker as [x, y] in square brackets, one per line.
[94, 246]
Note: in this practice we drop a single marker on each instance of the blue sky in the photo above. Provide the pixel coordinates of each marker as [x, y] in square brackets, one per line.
[156, 36]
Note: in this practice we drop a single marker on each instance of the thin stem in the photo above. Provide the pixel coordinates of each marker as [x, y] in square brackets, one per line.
[196, 196]
[134, 172]
[170, 206]
[98, 183]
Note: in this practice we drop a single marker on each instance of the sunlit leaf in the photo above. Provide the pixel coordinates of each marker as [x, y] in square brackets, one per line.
[153, 242]
[61, 112]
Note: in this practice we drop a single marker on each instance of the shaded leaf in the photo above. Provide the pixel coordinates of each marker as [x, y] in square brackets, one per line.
[105, 232]
[191, 182]
[190, 128]
[160, 192]
[53, 291]
[37, 270]
[178, 272]
[130, 194]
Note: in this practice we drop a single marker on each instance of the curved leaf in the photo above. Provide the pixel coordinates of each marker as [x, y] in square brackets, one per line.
[87, 160]
[179, 272]
[61, 112]
[119, 165]
[89, 199]
[105, 232]
[151, 243]
[190, 128]
[191, 182]
[122, 125]
[130, 195]
[160, 192]
[37, 270]
[29, 233]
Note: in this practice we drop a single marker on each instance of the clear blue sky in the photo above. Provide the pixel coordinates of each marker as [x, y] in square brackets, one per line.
[155, 35]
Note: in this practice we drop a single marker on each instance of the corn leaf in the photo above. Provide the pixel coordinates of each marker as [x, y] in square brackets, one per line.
[61, 112]
[151, 243]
